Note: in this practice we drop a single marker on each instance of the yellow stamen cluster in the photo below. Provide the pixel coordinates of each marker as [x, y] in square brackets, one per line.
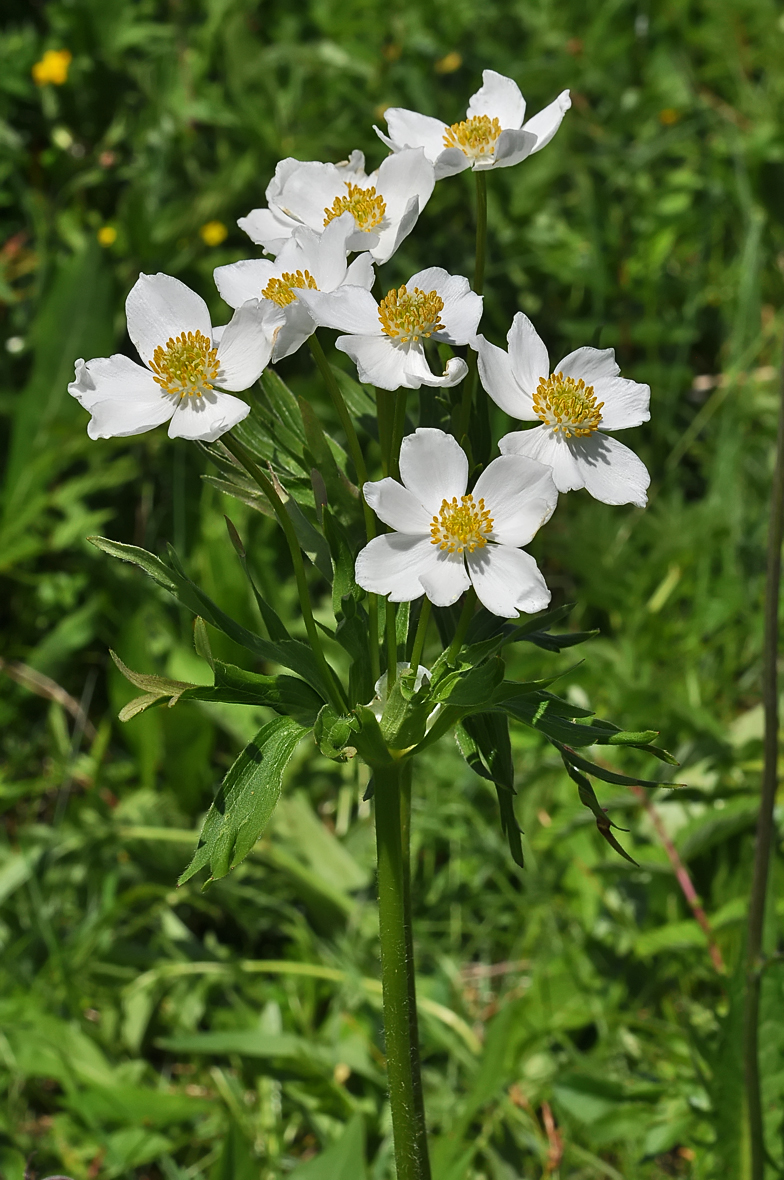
[568, 405]
[475, 137]
[367, 207]
[186, 365]
[408, 315]
[457, 527]
[281, 291]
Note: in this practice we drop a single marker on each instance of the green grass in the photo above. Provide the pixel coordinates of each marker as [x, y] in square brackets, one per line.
[137, 1038]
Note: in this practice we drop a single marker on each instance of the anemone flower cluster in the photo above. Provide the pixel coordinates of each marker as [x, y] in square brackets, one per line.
[444, 539]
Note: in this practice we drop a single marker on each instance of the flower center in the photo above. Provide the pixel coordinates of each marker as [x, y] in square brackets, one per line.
[408, 315]
[568, 405]
[466, 525]
[281, 291]
[475, 137]
[186, 365]
[367, 207]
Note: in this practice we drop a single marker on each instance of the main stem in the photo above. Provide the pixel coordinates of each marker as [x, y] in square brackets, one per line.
[759, 885]
[392, 803]
[479, 281]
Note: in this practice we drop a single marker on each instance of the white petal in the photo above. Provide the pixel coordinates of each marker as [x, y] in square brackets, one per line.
[498, 380]
[407, 129]
[298, 327]
[109, 377]
[445, 581]
[268, 228]
[397, 506]
[450, 162]
[519, 494]
[392, 564]
[419, 373]
[462, 307]
[610, 471]
[159, 307]
[384, 244]
[114, 418]
[309, 190]
[528, 354]
[626, 403]
[246, 343]
[549, 448]
[348, 309]
[379, 362]
[283, 170]
[354, 165]
[402, 176]
[511, 148]
[360, 272]
[433, 466]
[240, 281]
[499, 98]
[121, 396]
[592, 364]
[207, 418]
[545, 124]
[323, 254]
[507, 581]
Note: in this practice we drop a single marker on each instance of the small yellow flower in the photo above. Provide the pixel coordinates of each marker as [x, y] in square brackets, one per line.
[668, 116]
[107, 235]
[448, 64]
[213, 233]
[52, 68]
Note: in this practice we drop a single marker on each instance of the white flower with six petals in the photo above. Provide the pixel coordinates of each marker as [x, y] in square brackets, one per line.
[493, 134]
[186, 370]
[385, 340]
[307, 260]
[582, 397]
[446, 540]
[385, 204]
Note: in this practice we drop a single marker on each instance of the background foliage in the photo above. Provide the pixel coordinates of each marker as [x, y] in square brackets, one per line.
[574, 1024]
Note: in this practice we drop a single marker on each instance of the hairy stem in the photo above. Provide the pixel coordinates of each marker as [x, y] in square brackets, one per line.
[469, 387]
[462, 626]
[421, 633]
[398, 427]
[391, 622]
[242, 456]
[392, 805]
[762, 850]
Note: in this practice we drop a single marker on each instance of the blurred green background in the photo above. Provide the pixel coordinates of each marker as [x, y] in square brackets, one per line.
[574, 1023]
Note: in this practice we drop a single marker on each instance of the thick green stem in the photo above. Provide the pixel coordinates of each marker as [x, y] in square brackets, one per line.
[391, 622]
[469, 387]
[392, 804]
[242, 456]
[358, 459]
[462, 626]
[765, 826]
[398, 427]
[421, 633]
[385, 414]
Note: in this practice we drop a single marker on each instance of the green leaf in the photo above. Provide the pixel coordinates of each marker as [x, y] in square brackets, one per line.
[603, 821]
[471, 687]
[246, 800]
[333, 733]
[607, 776]
[283, 403]
[276, 629]
[483, 740]
[342, 568]
[343, 496]
[151, 565]
[343, 1160]
[237, 1160]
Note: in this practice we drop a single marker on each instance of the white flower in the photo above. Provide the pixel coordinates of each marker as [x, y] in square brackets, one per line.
[307, 259]
[187, 370]
[385, 204]
[493, 134]
[582, 397]
[386, 339]
[445, 541]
